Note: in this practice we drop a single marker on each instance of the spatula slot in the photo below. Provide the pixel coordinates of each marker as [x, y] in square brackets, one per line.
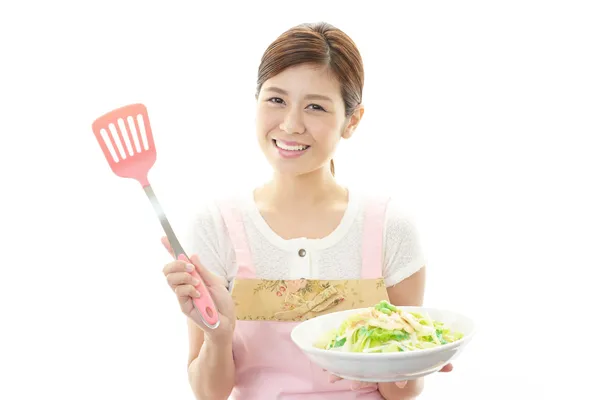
[117, 140]
[125, 135]
[134, 134]
[108, 144]
[140, 121]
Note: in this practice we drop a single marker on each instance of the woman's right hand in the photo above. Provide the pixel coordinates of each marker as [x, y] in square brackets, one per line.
[183, 285]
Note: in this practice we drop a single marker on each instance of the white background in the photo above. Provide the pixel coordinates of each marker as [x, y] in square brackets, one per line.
[482, 117]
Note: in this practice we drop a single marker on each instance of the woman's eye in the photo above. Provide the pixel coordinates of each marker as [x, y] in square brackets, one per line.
[276, 100]
[316, 107]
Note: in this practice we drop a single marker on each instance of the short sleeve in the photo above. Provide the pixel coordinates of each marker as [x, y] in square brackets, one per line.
[206, 236]
[403, 255]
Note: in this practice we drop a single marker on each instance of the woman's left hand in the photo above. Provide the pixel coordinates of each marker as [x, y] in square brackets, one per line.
[357, 385]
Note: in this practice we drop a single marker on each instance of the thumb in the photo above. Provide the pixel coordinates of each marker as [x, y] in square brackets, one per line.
[167, 245]
[208, 277]
[447, 368]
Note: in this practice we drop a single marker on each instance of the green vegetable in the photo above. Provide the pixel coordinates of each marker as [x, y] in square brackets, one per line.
[385, 328]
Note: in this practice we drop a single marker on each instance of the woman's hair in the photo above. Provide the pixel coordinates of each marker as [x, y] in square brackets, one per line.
[320, 44]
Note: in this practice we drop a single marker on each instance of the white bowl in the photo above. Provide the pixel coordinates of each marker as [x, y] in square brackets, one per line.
[382, 367]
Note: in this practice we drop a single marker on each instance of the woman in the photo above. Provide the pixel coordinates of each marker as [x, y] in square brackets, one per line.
[266, 255]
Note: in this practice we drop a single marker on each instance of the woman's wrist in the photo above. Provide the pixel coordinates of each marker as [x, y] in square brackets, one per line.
[219, 338]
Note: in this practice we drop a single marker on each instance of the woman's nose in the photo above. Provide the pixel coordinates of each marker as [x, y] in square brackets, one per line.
[292, 123]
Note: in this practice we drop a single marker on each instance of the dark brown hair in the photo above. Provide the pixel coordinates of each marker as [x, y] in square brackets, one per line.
[320, 44]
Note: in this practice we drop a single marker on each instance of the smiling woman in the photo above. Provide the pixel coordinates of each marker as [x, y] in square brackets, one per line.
[283, 249]
[329, 91]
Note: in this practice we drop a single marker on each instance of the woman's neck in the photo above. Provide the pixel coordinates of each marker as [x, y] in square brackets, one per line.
[300, 192]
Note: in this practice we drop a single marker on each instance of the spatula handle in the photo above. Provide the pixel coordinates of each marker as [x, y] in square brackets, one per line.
[204, 304]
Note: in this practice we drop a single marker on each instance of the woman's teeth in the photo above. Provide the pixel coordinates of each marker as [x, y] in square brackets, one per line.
[284, 146]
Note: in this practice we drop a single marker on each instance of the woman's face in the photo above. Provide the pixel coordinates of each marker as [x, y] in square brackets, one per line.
[301, 118]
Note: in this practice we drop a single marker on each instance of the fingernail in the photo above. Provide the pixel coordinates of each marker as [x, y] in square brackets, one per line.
[401, 384]
[197, 294]
[195, 282]
[189, 267]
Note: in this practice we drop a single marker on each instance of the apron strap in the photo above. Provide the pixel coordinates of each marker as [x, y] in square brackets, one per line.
[372, 248]
[235, 227]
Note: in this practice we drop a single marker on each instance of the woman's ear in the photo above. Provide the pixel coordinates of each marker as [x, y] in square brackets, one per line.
[353, 121]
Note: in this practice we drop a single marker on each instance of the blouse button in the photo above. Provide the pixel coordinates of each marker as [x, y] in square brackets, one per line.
[301, 252]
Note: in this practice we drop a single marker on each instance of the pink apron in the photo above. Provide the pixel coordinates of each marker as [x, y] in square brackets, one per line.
[268, 364]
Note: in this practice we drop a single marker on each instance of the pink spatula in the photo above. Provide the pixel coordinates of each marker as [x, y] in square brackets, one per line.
[126, 139]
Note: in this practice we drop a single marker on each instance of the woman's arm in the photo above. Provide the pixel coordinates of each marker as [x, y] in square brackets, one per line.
[211, 370]
[408, 292]
[210, 362]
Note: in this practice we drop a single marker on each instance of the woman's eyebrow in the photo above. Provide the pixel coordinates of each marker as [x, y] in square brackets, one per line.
[308, 96]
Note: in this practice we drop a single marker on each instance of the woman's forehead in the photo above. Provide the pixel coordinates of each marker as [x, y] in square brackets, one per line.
[305, 79]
